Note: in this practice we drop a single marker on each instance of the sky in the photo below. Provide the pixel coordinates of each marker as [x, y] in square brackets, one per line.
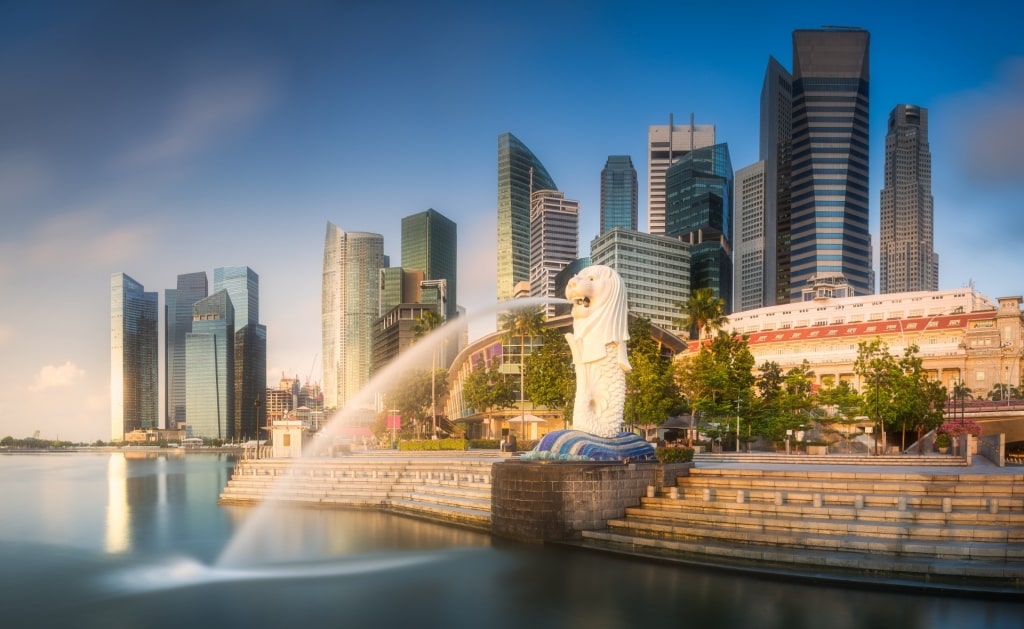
[161, 138]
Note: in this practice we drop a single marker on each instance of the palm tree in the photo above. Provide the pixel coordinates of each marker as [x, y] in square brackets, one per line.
[426, 322]
[522, 323]
[961, 392]
[703, 313]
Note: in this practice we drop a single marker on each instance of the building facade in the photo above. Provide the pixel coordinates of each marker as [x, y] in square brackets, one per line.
[655, 270]
[349, 306]
[829, 162]
[554, 240]
[906, 251]
[665, 145]
[134, 357]
[250, 346]
[430, 245]
[775, 149]
[699, 211]
[519, 174]
[752, 253]
[620, 197]
[178, 302]
[210, 360]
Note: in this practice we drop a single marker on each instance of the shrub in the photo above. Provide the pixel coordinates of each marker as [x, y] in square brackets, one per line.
[484, 444]
[424, 445]
[674, 455]
[960, 427]
[942, 440]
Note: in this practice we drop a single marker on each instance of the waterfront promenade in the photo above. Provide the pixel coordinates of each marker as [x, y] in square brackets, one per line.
[929, 522]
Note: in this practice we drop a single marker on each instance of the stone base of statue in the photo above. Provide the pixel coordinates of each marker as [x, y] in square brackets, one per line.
[577, 445]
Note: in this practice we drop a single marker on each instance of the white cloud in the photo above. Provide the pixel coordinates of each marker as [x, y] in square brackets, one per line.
[204, 114]
[57, 376]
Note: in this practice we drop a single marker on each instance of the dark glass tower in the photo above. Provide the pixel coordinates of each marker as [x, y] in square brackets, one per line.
[134, 348]
[699, 210]
[774, 150]
[519, 174]
[178, 304]
[829, 235]
[210, 357]
[619, 195]
[429, 244]
[249, 375]
[907, 258]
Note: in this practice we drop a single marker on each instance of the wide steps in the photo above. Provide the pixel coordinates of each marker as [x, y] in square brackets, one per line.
[896, 460]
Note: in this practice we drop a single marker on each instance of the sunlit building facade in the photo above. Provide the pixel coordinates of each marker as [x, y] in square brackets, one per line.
[752, 252]
[554, 240]
[665, 145]
[134, 357]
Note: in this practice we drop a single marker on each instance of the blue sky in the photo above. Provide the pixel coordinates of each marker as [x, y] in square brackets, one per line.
[163, 138]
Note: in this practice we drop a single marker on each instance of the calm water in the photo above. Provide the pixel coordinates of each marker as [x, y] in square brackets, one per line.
[105, 540]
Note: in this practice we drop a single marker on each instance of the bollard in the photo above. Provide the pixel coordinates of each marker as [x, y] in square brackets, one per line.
[650, 491]
[993, 505]
[741, 496]
[707, 495]
[947, 505]
[780, 498]
[673, 493]
[858, 502]
[901, 503]
[817, 501]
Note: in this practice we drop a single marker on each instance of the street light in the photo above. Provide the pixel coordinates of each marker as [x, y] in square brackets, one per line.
[256, 421]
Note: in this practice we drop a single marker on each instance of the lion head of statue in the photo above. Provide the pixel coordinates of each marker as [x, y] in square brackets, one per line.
[599, 310]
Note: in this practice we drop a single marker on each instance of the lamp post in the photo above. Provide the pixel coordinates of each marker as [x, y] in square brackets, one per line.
[737, 425]
[256, 421]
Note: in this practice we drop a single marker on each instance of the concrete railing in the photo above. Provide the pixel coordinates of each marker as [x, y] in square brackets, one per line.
[993, 448]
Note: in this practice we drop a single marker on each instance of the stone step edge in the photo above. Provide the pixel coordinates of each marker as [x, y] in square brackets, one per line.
[1005, 516]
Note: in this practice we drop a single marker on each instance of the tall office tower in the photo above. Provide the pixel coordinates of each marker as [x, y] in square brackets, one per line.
[134, 348]
[829, 235]
[907, 258]
[210, 361]
[430, 244]
[554, 240]
[665, 145]
[774, 150]
[699, 211]
[349, 305]
[751, 269]
[654, 269]
[178, 304]
[250, 364]
[619, 197]
[519, 174]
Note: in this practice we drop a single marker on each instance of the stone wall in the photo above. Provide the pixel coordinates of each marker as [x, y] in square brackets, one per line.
[538, 501]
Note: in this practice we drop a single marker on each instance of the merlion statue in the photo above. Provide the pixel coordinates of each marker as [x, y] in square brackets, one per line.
[598, 342]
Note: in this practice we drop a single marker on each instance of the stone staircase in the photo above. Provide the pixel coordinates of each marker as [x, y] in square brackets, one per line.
[927, 528]
[452, 490]
[887, 460]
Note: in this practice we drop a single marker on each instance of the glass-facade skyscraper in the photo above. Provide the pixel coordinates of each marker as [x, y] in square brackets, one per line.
[699, 210]
[210, 357]
[519, 174]
[350, 299]
[906, 256]
[243, 287]
[665, 145]
[775, 147]
[134, 357]
[178, 304]
[249, 374]
[829, 235]
[619, 194]
[430, 244]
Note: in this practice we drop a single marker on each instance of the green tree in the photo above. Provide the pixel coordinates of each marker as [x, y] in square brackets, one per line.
[650, 389]
[413, 394]
[718, 381]
[523, 323]
[785, 401]
[842, 405]
[487, 389]
[918, 402]
[702, 314]
[549, 379]
[425, 323]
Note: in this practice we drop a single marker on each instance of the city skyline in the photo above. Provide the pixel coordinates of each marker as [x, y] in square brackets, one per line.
[225, 137]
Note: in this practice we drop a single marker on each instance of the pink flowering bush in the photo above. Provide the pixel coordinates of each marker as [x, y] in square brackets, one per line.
[959, 427]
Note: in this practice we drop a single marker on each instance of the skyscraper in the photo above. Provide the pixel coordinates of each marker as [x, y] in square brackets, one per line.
[134, 349]
[665, 145]
[178, 304]
[699, 211]
[210, 361]
[249, 374]
[907, 259]
[349, 305]
[619, 196]
[751, 268]
[829, 235]
[519, 173]
[774, 150]
[554, 240]
[430, 244]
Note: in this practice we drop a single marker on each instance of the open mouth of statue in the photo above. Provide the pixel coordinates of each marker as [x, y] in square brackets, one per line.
[582, 301]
